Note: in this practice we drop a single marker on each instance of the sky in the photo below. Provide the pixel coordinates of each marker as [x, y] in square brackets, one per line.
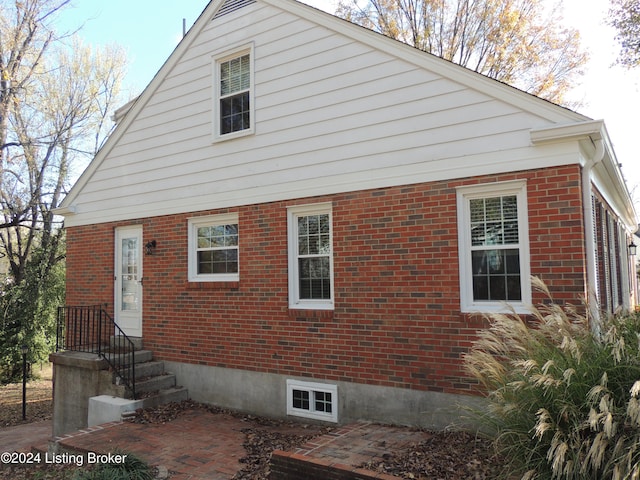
[150, 30]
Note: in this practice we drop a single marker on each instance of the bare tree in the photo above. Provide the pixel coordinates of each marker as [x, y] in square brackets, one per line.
[55, 97]
[515, 41]
[624, 16]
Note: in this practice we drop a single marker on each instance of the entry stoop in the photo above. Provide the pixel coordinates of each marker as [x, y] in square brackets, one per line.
[89, 362]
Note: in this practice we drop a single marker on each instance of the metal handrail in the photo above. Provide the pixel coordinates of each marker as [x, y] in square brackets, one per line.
[89, 329]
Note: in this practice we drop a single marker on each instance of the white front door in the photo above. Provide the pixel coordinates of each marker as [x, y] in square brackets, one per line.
[128, 280]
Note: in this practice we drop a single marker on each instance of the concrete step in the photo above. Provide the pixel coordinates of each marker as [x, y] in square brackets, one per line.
[120, 342]
[174, 394]
[149, 369]
[106, 408]
[142, 370]
[155, 383]
[139, 356]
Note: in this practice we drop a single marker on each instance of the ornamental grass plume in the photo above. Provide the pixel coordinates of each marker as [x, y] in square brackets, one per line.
[563, 401]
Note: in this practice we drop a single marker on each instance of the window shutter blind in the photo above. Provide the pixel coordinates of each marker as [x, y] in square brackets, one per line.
[596, 244]
[606, 267]
[613, 261]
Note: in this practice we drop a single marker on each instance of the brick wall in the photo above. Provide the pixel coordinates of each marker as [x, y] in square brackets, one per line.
[396, 320]
[293, 466]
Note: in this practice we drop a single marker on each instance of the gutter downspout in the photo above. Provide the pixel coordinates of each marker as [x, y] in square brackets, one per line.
[594, 311]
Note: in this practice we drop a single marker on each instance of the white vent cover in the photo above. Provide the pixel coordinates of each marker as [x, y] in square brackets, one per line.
[231, 6]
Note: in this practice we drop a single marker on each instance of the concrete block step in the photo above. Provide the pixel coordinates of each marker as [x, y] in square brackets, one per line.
[107, 408]
[156, 383]
[168, 395]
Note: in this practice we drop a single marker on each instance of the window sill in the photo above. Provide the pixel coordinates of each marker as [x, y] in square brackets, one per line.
[213, 285]
[310, 313]
[223, 137]
[503, 308]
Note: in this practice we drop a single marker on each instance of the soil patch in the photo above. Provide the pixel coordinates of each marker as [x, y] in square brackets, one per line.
[39, 399]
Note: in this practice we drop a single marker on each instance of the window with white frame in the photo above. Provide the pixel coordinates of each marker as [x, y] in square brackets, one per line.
[310, 256]
[312, 400]
[494, 247]
[234, 93]
[213, 248]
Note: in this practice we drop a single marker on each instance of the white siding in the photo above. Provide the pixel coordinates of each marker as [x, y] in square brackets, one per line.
[332, 114]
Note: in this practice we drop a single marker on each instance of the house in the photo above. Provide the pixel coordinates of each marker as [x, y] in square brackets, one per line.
[302, 217]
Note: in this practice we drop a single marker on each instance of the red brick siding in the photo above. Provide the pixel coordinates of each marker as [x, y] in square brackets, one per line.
[556, 232]
[90, 265]
[397, 319]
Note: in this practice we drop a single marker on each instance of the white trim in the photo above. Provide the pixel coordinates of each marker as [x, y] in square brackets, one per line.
[293, 213]
[193, 224]
[464, 195]
[223, 56]
[312, 388]
[595, 129]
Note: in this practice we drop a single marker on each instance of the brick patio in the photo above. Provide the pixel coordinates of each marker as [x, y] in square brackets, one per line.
[201, 445]
[196, 445]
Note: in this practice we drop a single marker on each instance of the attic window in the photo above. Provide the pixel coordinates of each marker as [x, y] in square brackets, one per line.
[234, 94]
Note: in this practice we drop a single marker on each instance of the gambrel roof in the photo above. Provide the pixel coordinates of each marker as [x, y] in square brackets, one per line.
[337, 108]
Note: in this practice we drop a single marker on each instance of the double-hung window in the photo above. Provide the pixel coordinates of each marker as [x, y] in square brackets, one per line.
[494, 247]
[214, 248]
[234, 93]
[310, 257]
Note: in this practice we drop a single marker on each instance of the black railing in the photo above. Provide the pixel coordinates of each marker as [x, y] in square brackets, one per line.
[91, 329]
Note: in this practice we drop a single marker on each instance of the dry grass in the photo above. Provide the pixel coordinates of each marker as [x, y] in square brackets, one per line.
[563, 399]
[39, 398]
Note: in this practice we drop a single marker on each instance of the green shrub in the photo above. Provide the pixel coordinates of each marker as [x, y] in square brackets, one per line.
[563, 400]
[133, 468]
